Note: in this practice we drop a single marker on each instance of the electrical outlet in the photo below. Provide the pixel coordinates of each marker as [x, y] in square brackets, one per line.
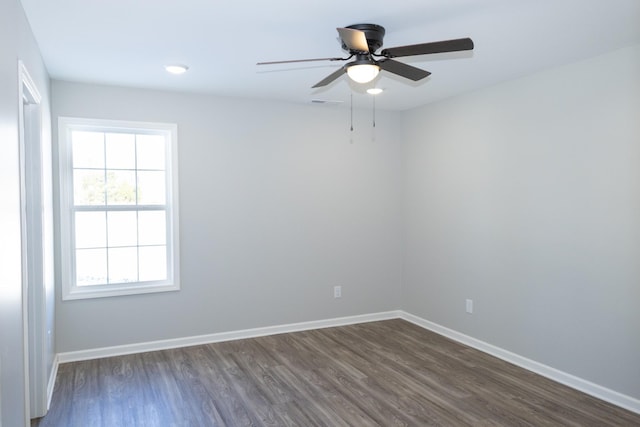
[337, 291]
[470, 306]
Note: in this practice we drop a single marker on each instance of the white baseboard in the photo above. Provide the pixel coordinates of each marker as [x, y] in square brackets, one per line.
[97, 353]
[52, 379]
[572, 381]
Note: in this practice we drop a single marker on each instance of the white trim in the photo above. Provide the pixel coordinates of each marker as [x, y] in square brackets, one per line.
[74, 356]
[595, 390]
[23, 80]
[52, 379]
[27, 81]
[102, 291]
[33, 241]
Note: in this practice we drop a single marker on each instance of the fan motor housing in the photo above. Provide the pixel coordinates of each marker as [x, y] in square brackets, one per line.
[373, 32]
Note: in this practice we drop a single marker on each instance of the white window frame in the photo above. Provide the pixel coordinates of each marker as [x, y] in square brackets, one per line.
[70, 290]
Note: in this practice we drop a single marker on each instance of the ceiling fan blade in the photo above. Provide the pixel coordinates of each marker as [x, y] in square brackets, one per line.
[300, 60]
[354, 39]
[407, 71]
[427, 48]
[331, 77]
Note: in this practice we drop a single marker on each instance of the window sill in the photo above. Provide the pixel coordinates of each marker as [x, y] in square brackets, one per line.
[103, 291]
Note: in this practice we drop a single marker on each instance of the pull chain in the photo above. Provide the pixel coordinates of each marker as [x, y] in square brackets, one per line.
[373, 131]
[351, 112]
[374, 111]
[351, 134]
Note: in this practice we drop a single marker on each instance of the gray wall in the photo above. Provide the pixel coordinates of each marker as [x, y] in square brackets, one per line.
[16, 42]
[525, 197]
[276, 207]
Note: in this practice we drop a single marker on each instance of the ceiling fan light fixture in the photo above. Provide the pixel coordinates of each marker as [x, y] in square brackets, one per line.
[363, 73]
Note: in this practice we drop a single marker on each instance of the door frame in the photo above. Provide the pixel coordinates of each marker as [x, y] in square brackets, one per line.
[32, 230]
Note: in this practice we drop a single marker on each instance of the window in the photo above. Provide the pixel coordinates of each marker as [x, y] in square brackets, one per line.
[118, 207]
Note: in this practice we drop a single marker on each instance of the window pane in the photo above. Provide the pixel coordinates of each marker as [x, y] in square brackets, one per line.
[91, 230]
[123, 265]
[151, 151]
[121, 187]
[151, 188]
[153, 263]
[87, 149]
[91, 267]
[121, 150]
[152, 229]
[88, 187]
[122, 229]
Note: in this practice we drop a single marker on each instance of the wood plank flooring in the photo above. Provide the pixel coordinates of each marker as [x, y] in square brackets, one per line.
[389, 373]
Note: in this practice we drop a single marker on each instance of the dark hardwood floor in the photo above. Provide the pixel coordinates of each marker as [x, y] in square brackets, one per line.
[389, 373]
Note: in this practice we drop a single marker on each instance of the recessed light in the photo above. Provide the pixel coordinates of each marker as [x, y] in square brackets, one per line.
[176, 68]
[374, 91]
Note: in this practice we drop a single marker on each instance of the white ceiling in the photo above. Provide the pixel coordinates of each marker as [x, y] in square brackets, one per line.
[127, 42]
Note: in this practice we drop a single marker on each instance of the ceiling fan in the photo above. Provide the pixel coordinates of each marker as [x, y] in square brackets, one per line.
[362, 41]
